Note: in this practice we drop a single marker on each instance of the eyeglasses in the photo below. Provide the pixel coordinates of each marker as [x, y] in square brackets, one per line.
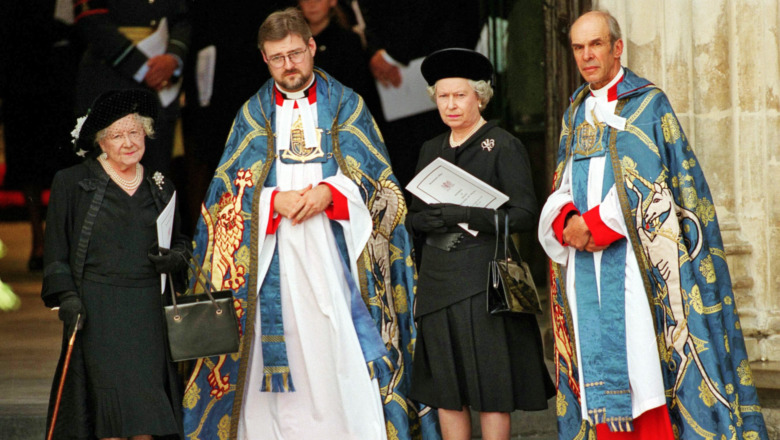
[294, 57]
[134, 134]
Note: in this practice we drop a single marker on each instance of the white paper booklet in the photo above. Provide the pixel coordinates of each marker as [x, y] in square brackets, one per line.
[444, 182]
[165, 230]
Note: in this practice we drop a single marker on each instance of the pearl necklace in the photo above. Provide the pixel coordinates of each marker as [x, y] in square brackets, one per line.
[127, 185]
[477, 126]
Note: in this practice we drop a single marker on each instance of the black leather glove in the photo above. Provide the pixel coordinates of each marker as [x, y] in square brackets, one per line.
[70, 308]
[167, 260]
[428, 221]
[452, 214]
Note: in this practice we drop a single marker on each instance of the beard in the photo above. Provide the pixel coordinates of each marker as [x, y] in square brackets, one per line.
[293, 83]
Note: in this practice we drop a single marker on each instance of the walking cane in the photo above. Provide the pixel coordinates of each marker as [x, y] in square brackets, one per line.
[62, 379]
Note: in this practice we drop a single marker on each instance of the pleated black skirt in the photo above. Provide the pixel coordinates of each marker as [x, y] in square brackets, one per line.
[466, 357]
[125, 357]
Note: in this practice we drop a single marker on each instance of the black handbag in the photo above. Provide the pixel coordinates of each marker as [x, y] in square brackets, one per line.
[511, 287]
[201, 325]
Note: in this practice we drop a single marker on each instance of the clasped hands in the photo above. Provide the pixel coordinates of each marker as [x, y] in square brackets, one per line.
[301, 205]
[577, 235]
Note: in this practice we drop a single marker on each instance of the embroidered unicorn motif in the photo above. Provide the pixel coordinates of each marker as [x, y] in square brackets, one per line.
[660, 245]
[386, 207]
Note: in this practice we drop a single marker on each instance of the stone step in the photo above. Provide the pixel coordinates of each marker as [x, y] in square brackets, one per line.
[23, 422]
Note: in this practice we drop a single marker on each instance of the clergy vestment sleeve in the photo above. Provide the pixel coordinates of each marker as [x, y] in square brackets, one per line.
[601, 233]
[339, 208]
[560, 198]
[273, 219]
[559, 224]
[605, 221]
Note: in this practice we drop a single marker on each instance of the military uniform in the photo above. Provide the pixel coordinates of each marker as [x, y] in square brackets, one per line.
[111, 29]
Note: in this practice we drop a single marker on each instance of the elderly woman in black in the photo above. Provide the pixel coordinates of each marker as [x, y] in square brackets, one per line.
[465, 357]
[102, 264]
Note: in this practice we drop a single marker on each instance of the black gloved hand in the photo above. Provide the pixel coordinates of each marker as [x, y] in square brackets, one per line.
[167, 260]
[428, 221]
[452, 214]
[70, 308]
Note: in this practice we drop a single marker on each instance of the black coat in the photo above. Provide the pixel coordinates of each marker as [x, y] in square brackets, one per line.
[75, 201]
[111, 60]
[409, 29]
[500, 159]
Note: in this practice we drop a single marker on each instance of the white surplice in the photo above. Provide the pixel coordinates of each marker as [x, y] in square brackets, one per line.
[334, 397]
[644, 372]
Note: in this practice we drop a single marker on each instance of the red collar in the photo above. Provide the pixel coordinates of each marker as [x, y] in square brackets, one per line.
[612, 91]
[310, 93]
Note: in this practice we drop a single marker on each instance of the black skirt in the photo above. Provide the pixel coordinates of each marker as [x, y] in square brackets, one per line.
[466, 357]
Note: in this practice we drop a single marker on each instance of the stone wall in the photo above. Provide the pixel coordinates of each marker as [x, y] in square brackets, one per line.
[717, 60]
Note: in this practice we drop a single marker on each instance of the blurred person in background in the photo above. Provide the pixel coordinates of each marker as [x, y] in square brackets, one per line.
[117, 34]
[39, 55]
[400, 31]
[340, 51]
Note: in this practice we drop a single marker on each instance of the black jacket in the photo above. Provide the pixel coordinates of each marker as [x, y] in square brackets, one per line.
[500, 159]
[76, 196]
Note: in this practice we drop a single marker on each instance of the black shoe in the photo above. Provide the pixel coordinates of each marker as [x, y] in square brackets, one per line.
[35, 264]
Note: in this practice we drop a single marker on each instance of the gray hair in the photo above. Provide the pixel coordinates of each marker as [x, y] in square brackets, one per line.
[146, 122]
[614, 27]
[282, 23]
[482, 88]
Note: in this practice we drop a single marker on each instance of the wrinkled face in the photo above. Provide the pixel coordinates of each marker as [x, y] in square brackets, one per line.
[597, 59]
[124, 142]
[316, 11]
[458, 103]
[290, 75]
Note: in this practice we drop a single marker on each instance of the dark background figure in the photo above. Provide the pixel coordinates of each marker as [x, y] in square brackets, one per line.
[38, 56]
[111, 30]
[407, 30]
[231, 27]
[340, 50]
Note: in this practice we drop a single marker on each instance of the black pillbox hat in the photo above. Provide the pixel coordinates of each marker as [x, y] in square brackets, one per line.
[456, 63]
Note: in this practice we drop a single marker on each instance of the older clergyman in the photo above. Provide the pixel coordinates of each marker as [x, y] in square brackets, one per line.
[304, 222]
[647, 337]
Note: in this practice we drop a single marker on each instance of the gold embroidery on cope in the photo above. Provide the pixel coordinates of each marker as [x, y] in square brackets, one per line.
[299, 151]
[670, 128]
[589, 138]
